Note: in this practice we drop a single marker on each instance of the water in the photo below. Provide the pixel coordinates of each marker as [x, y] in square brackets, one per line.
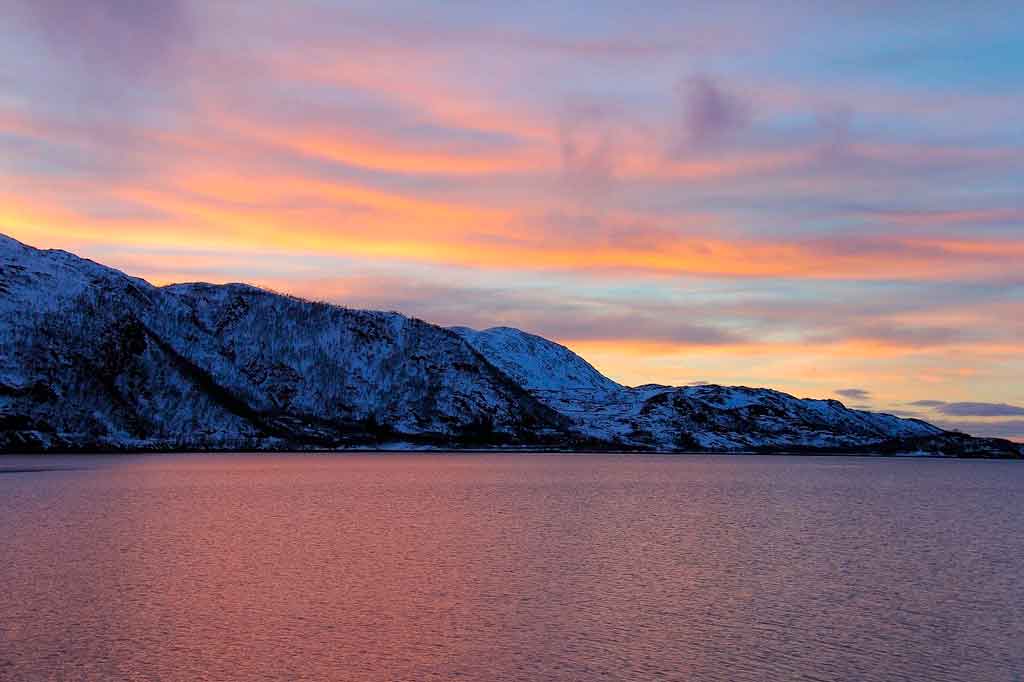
[510, 567]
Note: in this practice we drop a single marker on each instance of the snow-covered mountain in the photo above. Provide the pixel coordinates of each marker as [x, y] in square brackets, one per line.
[706, 417]
[94, 359]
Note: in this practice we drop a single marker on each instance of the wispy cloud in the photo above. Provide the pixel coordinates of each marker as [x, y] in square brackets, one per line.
[853, 393]
[110, 50]
[710, 114]
[971, 409]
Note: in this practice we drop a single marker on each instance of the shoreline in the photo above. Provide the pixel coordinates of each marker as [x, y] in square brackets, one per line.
[127, 452]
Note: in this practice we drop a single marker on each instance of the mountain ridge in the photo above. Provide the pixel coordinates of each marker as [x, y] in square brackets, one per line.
[94, 359]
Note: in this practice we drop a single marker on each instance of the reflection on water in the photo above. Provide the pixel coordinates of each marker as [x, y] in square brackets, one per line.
[510, 567]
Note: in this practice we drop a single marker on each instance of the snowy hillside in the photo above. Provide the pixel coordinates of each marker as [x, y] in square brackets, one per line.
[669, 418]
[94, 359]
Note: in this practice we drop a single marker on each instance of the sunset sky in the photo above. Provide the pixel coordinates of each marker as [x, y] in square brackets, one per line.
[824, 198]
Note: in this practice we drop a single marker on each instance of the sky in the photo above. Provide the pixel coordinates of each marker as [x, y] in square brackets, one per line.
[823, 198]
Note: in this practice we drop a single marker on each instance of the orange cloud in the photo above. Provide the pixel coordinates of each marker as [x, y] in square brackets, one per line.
[219, 210]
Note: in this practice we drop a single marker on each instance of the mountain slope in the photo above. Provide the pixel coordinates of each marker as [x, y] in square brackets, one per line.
[91, 358]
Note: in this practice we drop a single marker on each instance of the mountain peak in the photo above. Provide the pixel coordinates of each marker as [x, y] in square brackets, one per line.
[535, 362]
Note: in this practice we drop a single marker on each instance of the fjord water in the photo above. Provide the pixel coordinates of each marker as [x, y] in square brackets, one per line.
[510, 567]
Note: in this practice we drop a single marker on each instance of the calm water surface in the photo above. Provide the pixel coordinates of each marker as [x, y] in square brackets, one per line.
[510, 567]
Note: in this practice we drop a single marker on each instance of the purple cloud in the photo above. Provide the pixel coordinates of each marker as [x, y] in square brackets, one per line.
[116, 39]
[894, 334]
[971, 409]
[710, 114]
[853, 393]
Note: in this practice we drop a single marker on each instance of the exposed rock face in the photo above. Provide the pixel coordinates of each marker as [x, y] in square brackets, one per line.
[94, 359]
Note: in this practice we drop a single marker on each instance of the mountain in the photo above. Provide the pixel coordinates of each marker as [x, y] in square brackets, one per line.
[93, 359]
[705, 417]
